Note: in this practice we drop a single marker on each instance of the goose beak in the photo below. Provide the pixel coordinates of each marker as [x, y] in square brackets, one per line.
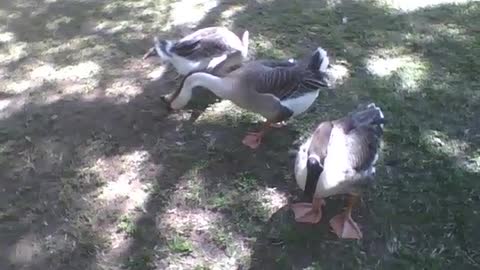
[150, 52]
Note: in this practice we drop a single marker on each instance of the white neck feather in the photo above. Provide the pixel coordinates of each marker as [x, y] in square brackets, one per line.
[221, 87]
[165, 58]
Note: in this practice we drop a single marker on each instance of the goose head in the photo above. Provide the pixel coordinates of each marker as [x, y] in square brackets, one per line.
[153, 50]
[317, 65]
[160, 49]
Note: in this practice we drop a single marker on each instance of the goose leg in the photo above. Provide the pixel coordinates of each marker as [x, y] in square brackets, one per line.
[309, 212]
[254, 139]
[343, 225]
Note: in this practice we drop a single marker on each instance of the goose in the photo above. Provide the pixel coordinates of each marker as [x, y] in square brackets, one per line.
[275, 89]
[338, 158]
[200, 50]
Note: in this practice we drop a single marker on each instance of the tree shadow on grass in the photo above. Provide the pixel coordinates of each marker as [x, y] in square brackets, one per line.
[51, 216]
[421, 214]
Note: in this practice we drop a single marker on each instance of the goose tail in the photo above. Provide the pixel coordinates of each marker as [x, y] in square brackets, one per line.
[369, 115]
[245, 42]
[163, 48]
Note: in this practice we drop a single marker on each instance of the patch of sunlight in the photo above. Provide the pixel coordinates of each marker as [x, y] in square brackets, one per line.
[25, 250]
[333, 3]
[6, 37]
[17, 87]
[409, 69]
[9, 106]
[451, 30]
[55, 24]
[13, 15]
[14, 52]
[157, 73]
[124, 89]
[457, 149]
[80, 71]
[191, 189]
[203, 230]
[113, 27]
[411, 5]
[429, 32]
[188, 13]
[112, 7]
[76, 44]
[124, 179]
[229, 14]
[270, 199]
[43, 72]
[339, 73]
[442, 143]
[472, 164]
[228, 113]
[182, 220]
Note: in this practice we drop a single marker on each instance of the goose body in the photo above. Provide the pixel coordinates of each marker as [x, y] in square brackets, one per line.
[338, 158]
[277, 90]
[200, 50]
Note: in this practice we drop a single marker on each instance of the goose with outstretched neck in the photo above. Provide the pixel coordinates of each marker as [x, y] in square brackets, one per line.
[277, 90]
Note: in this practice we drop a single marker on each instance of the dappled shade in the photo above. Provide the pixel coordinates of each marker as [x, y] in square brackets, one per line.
[95, 174]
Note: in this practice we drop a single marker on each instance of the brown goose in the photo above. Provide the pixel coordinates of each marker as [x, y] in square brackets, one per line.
[338, 158]
[277, 90]
[201, 50]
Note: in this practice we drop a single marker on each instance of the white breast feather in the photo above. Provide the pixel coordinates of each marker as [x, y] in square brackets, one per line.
[336, 170]
[301, 164]
[184, 66]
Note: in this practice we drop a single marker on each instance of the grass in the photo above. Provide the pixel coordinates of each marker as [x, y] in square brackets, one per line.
[180, 244]
[96, 175]
[127, 225]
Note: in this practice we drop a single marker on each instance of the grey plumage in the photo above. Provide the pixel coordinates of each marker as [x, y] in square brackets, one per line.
[201, 50]
[266, 87]
[207, 42]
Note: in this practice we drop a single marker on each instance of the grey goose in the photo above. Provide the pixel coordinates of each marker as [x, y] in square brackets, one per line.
[275, 89]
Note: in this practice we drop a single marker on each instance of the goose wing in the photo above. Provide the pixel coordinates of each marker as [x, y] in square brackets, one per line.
[362, 144]
[287, 81]
[320, 141]
[205, 43]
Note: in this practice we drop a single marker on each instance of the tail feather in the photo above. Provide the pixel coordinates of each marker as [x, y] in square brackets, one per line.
[371, 115]
[324, 59]
[245, 42]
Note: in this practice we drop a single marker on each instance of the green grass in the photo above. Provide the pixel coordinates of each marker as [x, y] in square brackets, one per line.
[420, 66]
[127, 225]
[180, 244]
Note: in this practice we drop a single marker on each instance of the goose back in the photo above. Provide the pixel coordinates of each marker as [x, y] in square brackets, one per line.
[207, 43]
[353, 146]
[277, 86]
